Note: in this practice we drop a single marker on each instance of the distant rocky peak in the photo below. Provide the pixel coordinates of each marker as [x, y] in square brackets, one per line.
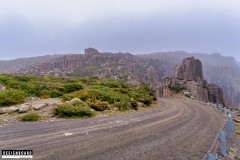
[189, 77]
[189, 70]
[91, 51]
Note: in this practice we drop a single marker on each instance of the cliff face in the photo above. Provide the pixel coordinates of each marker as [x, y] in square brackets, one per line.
[189, 70]
[189, 76]
[122, 66]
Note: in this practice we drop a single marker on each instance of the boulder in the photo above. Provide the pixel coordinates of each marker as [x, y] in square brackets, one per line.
[12, 109]
[3, 110]
[187, 94]
[8, 109]
[39, 106]
[24, 108]
[75, 99]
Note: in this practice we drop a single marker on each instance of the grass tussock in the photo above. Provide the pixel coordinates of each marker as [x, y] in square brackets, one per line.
[76, 109]
[30, 117]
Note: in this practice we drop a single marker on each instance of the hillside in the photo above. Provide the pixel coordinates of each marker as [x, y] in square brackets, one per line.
[223, 71]
[10, 66]
[93, 91]
[123, 66]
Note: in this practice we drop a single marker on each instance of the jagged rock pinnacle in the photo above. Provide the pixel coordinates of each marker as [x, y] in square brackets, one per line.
[91, 51]
[189, 70]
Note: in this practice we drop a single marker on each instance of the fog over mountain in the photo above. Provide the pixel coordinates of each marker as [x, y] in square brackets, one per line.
[40, 27]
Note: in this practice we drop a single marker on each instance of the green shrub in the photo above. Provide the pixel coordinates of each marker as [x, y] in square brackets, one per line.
[98, 105]
[123, 105]
[79, 103]
[147, 101]
[11, 97]
[68, 97]
[22, 78]
[55, 93]
[85, 94]
[176, 88]
[134, 104]
[121, 90]
[73, 110]
[29, 117]
[71, 87]
[44, 94]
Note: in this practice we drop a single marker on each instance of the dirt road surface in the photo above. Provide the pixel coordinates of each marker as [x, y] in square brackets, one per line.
[176, 130]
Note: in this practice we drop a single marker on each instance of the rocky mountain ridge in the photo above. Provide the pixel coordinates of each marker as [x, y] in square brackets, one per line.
[122, 66]
[10, 66]
[128, 67]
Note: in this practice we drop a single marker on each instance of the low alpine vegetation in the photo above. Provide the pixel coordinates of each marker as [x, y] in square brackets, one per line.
[97, 95]
[30, 117]
[11, 97]
[76, 109]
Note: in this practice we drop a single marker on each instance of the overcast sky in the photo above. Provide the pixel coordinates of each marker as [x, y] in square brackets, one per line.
[40, 27]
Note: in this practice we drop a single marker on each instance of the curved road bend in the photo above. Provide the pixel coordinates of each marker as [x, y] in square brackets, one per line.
[177, 130]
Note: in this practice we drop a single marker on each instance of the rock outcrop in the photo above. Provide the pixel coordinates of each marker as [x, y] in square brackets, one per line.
[188, 78]
[189, 70]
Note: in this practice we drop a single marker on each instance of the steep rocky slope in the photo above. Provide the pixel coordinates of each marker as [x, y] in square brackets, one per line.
[223, 71]
[10, 66]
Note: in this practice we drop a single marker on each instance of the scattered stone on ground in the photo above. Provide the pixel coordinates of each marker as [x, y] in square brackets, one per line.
[11, 115]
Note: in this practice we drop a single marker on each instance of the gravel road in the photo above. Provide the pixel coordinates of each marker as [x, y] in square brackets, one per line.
[176, 130]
